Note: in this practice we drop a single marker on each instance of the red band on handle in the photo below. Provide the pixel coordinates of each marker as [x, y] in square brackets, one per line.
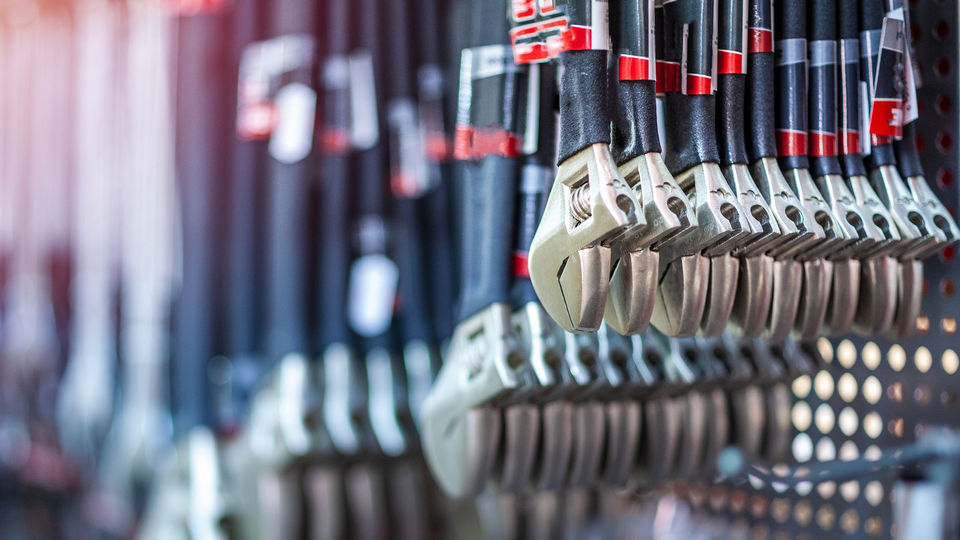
[849, 142]
[791, 143]
[699, 85]
[729, 63]
[634, 68]
[823, 144]
[760, 41]
[520, 267]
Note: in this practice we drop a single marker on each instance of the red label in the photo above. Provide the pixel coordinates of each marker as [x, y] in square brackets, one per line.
[668, 76]
[524, 10]
[760, 40]
[577, 38]
[823, 144]
[476, 143]
[791, 143]
[634, 68]
[729, 62]
[520, 267]
[887, 117]
[849, 141]
[698, 85]
[255, 121]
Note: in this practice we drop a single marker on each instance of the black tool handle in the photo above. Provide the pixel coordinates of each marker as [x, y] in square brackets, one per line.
[791, 83]
[822, 75]
[584, 107]
[908, 158]
[635, 130]
[487, 209]
[761, 104]
[204, 126]
[731, 81]
[691, 112]
[848, 34]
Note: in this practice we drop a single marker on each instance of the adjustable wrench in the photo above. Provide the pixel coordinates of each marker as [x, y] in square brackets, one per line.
[755, 282]
[623, 413]
[827, 171]
[461, 424]
[142, 429]
[745, 394]
[545, 416]
[878, 270]
[797, 225]
[773, 377]
[917, 231]
[590, 206]
[791, 79]
[636, 148]
[697, 277]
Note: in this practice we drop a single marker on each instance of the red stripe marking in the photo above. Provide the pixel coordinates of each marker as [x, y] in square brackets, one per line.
[334, 140]
[823, 144]
[634, 68]
[462, 142]
[849, 141]
[520, 267]
[791, 143]
[668, 76]
[760, 40]
[524, 10]
[577, 38]
[699, 85]
[729, 62]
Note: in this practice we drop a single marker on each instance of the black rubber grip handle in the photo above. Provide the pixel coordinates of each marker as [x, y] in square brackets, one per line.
[908, 158]
[488, 209]
[399, 50]
[760, 107]
[333, 249]
[791, 19]
[338, 25]
[871, 15]
[852, 165]
[546, 152]
[691, 139]
[584, 111]
[822, 16]
[427, 30]
[731, 89]
[529, 211]
[635, 130]
[414, 314]
[848, 14]
[880, 156]
[436, 207]
[290, 17]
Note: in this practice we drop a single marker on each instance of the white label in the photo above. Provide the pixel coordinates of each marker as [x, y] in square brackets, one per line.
[373, 288]
[600, 24]
[364, 127]
[296, 105]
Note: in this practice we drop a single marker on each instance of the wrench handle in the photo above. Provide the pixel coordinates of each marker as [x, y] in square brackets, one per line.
[822, 76]
[908, 158]
[761, 107]
[691, 139]
[791, 83]
[731, 81]
[635, 130]
[584, 108]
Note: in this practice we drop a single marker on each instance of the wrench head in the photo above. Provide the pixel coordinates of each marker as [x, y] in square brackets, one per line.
[344, 401]
[765, 232]
[666, 208]
[721, 225]
[556, 445]
[542, 341]
[917, 234]
[836, 237]
[797, 226]
[384, 403]
[844, 297]
[460, 432]
[817, 284]
[876, 212]
[521, 436]
[878, 296]
[589, 206]
[909, 299]
[681, 295]
[851, 217]
[787, 289]
[752, 304]
[721, 294]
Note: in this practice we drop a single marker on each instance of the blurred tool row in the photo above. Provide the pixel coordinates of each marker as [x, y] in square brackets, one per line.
[281, 269]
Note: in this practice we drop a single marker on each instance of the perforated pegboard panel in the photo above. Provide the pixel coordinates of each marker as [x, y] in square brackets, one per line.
[877, 393]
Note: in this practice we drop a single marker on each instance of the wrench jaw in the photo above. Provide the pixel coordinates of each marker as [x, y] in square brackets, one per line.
[461, 429]
[721, 294]
[909, 298]
[420, 361]
[836, 238]
[937, 212]
[343, 401]
[681, 295]
[633, 292]
[844, 297]
[589, 206]
[721, 225]
[392, 437]
[765, 231]
[817, 285]
[878, 296]
[852, 218]
[752, 305]
[877, 213]
[797, 226]
[623, 414]
[589, 427]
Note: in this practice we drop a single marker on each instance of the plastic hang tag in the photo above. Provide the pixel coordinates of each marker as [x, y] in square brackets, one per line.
[910, 83]
[886, 111]
[292, 138]
[373, 290]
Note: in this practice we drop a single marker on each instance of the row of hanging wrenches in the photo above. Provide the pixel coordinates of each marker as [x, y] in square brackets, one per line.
[759, 218]
[524, 401]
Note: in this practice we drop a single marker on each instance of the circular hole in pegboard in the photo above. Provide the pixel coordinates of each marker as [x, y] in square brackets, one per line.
[850, 490]
[872, 390]
[942, 104]
[948, 325]
[873, 452]
[826, 450]
[803, 513]
[948, 397]
[802, 448]
[847, 353]
[942, 66]
[848, 421]
[897, 357]
[947, 287]
[826, 490]
[849, 451]
[896, 427]
[871, 355]
[895, 392]
[873, 424]
[826, 517]
[873, 493]
[922, 395]
[944, 141]
[922, 359]
[780, 510]
[950, 361]
[823, 385]
[847, 387]
[923, 324]
[947, 254]
[850, 521]
[944, 178]
[941, 29]
[824, 418]
[758, 506]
